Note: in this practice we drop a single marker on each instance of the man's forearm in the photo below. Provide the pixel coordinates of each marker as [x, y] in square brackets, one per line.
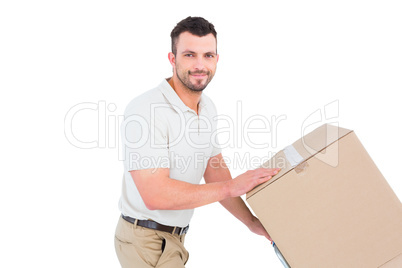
[177, 195]
[160, 192]
[237, 207]
[217, 171]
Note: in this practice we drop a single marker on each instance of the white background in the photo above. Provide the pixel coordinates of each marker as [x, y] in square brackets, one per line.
[292, 58]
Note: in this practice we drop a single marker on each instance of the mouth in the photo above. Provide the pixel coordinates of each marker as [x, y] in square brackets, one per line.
[198, 75]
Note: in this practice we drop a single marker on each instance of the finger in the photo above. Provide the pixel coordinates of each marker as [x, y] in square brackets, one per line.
[264, 179]
[260, 172]
[266, 234]
[267, 171]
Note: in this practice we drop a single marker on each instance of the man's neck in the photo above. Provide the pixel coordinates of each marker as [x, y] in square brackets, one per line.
[190, 98]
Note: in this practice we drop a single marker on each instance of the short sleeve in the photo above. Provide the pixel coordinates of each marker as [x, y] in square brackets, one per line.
[144, 140]
[216, 148]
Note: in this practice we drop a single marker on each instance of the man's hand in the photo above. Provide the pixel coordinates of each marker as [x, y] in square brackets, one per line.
[256, 227]
[250, 179]
[217, 171]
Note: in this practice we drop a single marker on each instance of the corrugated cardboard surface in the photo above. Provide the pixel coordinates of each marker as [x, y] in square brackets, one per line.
[327, 215]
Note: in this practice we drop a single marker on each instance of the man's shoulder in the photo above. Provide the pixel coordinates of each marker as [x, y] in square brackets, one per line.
[207, 100]
[143, 101]
[209, 103]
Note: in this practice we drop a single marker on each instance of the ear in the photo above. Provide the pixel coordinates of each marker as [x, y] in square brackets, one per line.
[172, 59]
[217, 58]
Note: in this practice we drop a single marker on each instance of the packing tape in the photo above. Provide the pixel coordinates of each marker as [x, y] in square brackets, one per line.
[301, 167]
[293, 157]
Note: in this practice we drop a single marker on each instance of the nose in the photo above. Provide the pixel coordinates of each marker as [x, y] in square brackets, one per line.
[199, 63]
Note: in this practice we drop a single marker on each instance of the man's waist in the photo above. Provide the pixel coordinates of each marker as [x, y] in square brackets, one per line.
[156, 226]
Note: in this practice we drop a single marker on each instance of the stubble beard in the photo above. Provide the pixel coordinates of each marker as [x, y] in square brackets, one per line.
[184, 78]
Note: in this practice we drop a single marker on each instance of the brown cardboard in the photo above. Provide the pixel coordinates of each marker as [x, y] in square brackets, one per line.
[333, 209]
[394, 263]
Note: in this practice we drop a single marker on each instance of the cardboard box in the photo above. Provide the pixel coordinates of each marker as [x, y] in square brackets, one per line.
[330, 206]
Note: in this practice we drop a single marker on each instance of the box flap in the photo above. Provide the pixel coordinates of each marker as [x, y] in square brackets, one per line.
[393, 263]
[295, 155]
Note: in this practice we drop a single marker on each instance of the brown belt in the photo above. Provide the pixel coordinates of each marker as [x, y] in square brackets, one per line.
[157, 226]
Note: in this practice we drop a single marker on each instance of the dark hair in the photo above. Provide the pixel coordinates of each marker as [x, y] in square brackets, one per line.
[195, 25]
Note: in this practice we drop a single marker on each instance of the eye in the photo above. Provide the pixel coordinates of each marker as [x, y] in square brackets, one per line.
[188, 55]
[210, 56]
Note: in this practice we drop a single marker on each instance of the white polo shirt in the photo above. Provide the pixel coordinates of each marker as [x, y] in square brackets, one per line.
[160, 131]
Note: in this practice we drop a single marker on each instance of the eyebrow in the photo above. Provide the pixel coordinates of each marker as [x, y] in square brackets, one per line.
[189, 51]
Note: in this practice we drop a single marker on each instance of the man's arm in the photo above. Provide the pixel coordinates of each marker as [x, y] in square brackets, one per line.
[160, 192]
[217, 172]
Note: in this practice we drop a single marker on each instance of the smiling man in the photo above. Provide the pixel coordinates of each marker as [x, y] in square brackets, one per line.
[163, 128]
[193, 71]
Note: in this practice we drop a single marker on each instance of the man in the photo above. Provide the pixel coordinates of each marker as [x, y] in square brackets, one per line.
[169, 139]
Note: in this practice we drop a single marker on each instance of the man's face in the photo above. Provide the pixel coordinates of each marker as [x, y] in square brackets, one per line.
[195, 60]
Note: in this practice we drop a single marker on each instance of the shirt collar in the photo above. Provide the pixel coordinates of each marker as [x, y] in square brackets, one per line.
[175, 100]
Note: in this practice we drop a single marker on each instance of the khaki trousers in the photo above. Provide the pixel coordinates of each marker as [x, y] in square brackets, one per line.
[141, 247]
